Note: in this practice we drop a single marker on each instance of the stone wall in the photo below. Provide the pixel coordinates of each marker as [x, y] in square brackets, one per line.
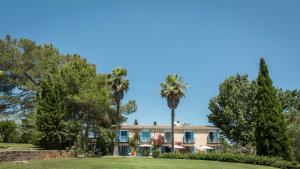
[6, 156]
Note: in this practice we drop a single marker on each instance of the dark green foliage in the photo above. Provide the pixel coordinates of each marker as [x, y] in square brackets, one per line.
[8, 131]
[24, 64]
[233, 109]
[290, 101]
[272, 138]
[156, 153]
[293, 118]
[49, 117]
[104, 140]
[85, 96]
[230, 157]
[28, 127]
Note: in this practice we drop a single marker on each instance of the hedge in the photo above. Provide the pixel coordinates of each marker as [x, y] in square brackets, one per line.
[238, 158]
[156, 153]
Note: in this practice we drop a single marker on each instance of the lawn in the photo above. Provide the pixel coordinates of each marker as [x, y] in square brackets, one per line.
[127, 163]
[16, 146]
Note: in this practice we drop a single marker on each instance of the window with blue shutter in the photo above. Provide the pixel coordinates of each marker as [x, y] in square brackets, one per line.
[188, 137]
[193, 140]
[216, 137]
[123, 136]
[210, 137]
[145, 136]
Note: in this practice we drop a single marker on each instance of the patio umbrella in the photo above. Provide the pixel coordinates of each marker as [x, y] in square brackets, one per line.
[145, 145]
[205, 148]
[178, 147]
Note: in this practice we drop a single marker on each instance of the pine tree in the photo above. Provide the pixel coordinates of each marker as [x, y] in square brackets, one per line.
[271, 130]
[50, 124]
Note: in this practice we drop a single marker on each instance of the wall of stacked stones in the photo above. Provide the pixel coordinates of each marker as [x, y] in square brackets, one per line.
[6, 156]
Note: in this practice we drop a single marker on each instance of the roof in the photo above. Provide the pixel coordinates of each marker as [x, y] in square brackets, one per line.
[167, 127]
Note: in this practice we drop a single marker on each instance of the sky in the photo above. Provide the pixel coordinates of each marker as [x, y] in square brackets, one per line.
[204, 41]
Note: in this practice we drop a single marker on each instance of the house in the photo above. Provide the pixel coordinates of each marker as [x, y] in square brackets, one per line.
[187, 137]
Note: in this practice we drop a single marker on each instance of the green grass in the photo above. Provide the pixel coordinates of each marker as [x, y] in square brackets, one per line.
[16, 146]
[127, 163]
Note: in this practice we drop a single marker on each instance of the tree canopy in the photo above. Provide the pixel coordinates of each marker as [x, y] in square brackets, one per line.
[233, 109]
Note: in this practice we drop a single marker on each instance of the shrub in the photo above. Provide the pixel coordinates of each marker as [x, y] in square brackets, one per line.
[156, 153]
[9, 132]
[105, 140]
[238, 158]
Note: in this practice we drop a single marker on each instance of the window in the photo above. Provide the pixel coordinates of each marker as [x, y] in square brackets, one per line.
[123, 136]
[167, 137]
[210, 137]
[213, 137]
[189, 137]
[145, 136]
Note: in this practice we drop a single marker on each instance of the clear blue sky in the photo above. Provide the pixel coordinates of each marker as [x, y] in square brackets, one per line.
[204, 41]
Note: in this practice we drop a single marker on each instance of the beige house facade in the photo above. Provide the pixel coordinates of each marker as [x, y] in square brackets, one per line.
[187, 138]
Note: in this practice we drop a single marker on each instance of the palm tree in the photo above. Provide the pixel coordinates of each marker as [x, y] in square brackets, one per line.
[173, 89]
[119, 86]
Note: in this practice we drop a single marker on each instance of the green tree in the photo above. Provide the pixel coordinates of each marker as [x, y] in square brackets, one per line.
[49, 116]
[119, 86]
[271, 133]
[290, 101]
[28, 127]
[233, 109]
[7, 131]
[173, 89]
[105, 139]
[24, 64]
[86, 98]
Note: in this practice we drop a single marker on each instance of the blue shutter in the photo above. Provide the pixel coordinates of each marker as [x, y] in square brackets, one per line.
[208, 139]
[140, 136]
[216, 136]
[193, 141]
[119, 135]
[184, 136]
[127, 139]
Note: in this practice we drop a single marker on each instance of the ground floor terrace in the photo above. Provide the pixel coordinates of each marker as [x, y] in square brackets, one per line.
[146, 149]
[126, 163]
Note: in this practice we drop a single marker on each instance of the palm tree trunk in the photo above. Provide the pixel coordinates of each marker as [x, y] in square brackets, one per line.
[116, 145]
[172, 129]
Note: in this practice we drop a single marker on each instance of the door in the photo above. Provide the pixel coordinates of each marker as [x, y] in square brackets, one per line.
[123, 150]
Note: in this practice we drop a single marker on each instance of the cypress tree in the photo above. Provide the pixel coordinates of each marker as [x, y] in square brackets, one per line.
[49, 119]
[271, 130]
[136, 122]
